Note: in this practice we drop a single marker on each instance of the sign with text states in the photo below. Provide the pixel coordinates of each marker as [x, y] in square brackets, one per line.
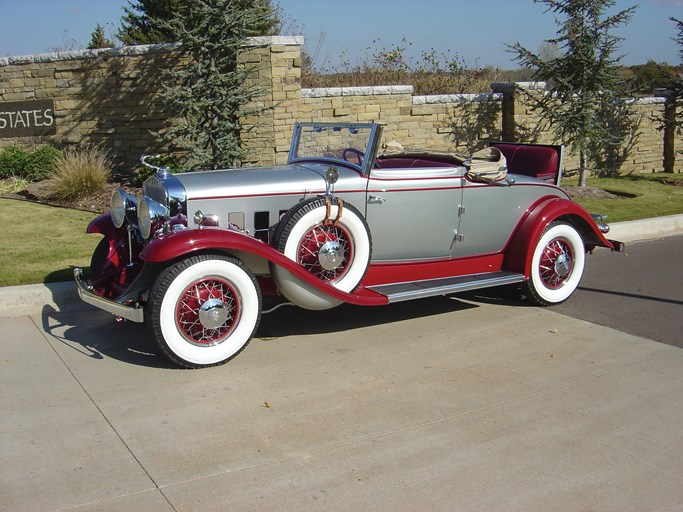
[28, 118]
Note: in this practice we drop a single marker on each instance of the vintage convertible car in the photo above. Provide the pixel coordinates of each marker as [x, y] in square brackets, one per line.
[342, 221]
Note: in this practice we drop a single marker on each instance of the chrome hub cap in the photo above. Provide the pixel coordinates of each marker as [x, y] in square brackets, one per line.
[213, 313]
[563, 265]
[331, 255]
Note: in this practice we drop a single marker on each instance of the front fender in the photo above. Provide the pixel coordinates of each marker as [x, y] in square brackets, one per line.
[103, 225]
[186, 242]
[520, 248]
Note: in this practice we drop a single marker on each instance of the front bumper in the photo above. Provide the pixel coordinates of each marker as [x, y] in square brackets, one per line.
[134, 314]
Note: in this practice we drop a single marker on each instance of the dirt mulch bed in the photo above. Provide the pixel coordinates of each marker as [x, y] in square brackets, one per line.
[41, 192]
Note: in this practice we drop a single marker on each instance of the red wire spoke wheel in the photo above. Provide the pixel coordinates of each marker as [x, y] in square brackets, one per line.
[326, 250]
[557, 265]
[207, 311]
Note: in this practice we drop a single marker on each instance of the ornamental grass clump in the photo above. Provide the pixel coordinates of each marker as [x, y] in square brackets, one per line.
[81, 172]
[13, 185]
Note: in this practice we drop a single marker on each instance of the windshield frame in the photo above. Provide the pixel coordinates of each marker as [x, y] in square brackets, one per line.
[369, 152]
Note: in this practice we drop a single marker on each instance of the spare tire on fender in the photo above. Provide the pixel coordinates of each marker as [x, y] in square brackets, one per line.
[327, 237]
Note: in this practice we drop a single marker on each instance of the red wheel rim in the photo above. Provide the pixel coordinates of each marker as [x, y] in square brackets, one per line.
[207, 291]
[556, 263]
[314, 240]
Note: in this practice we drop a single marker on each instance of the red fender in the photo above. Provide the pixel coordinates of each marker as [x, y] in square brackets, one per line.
[520, 248]
[188, 241]
[103, 225]
[117, 256]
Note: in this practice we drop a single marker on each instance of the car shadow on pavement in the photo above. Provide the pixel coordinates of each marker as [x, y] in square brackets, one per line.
[96, 335]
[292, 321]
[509, 295]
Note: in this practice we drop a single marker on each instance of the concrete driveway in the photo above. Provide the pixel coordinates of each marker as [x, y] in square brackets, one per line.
[440, 404]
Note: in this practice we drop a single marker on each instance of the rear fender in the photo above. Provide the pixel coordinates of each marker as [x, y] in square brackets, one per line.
[184, 243]
[520, 248]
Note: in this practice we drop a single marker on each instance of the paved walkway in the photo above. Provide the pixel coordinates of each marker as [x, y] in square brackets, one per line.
[439, 404]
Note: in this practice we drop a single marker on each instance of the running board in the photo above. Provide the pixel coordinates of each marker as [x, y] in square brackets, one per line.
[431, 287]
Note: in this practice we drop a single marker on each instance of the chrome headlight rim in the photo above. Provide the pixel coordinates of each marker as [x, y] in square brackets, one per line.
[123, 207]
[151, 217]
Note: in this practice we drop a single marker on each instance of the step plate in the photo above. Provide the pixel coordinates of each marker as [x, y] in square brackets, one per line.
[431, 287]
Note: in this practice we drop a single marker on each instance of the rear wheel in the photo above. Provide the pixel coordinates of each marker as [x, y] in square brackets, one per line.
[556, 266]
[204, 310]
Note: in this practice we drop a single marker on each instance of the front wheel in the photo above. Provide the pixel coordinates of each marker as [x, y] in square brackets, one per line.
[556, 265]
[204, 310]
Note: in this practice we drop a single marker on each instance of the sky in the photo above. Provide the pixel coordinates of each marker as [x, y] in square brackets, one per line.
[475, 30]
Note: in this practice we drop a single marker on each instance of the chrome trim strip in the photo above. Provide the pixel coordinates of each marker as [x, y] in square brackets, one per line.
[110, 306]
[442, 286]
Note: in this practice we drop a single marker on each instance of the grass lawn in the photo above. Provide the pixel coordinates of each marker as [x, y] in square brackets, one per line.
[639, 196]
[42, 244]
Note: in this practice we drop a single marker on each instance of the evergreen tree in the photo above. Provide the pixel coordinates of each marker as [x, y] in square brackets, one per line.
[210, 92]
[146, 21]
[679, 36]
[98, 39]
[677, 85]
[584, 81]
[140, 23]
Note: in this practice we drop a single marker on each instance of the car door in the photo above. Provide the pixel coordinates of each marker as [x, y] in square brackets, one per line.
[413, 214]
[490, 214]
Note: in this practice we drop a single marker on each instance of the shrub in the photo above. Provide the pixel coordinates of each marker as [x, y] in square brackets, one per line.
[81, 172]
[13, 162]
[17, 163]
[41, 163]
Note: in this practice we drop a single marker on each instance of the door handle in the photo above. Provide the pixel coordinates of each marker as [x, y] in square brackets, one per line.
[375, 199]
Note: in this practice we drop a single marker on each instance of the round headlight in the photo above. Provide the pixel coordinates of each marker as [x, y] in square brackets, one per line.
[122, 206]
[151, 216]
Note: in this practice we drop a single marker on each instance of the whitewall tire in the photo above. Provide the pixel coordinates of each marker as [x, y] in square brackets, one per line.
[557, 265]
[204, 310]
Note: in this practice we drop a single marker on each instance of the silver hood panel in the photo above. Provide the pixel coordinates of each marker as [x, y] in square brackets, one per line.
[259, 181]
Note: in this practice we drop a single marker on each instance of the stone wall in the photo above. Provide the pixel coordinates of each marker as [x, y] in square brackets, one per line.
[111, 98]
[647, 154]
[105, 97]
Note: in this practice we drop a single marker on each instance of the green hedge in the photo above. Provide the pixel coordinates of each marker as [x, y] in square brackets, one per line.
[36, 166]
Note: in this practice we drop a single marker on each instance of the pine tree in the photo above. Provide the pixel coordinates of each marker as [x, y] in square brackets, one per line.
[146, 21]
[211, 92]
[98, 39]
[140, 23]
[584, 81]
[677, 83]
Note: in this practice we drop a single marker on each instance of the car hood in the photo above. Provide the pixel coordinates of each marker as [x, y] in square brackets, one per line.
[254, 181]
